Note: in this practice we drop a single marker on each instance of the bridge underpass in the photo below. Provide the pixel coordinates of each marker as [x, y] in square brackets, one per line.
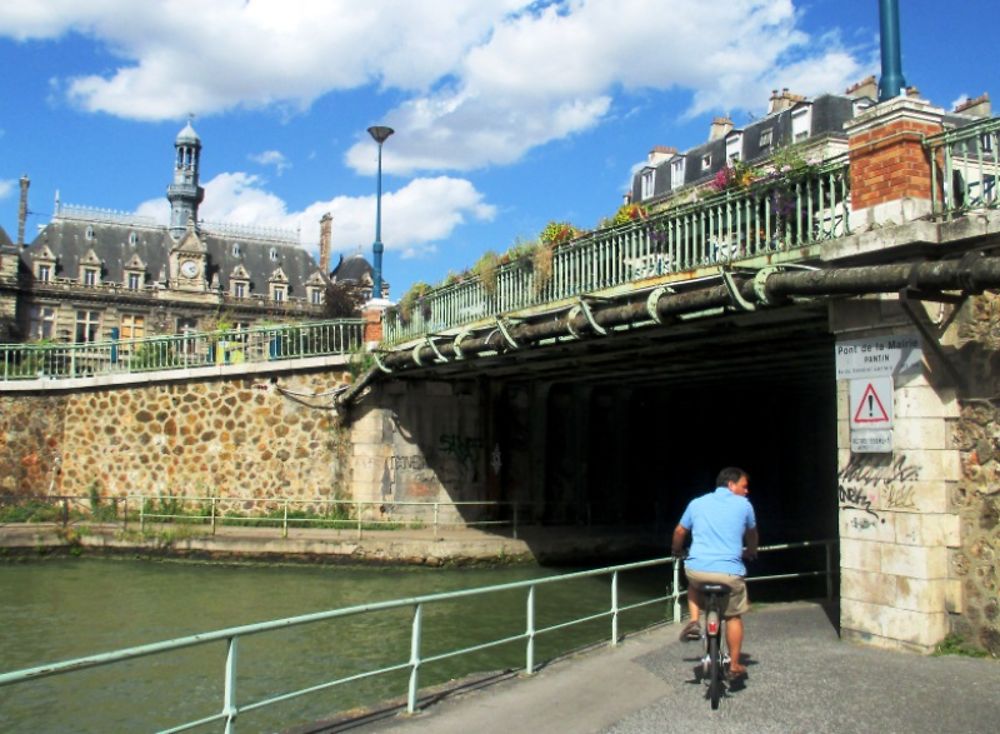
[622, 430]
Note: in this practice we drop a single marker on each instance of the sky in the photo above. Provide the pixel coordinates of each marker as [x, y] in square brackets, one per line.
[508, 113]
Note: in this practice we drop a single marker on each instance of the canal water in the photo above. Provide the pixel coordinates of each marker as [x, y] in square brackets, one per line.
[56, 609]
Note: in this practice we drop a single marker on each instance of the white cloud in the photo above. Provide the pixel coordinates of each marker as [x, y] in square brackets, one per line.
[424, 211]
[7, 187]
[271, 158]
[484, 81]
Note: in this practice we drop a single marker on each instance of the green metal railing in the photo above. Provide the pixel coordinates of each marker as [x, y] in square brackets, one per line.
[232, 708]
[770, 216]
[965, 168]
[180, 351]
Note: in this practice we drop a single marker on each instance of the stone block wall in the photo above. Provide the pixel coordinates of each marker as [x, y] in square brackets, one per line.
[238, 438]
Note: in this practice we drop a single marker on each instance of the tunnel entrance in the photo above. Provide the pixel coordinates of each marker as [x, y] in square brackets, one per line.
[628, 437]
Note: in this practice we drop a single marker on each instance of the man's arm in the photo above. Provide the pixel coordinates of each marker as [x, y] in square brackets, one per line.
[679, 539]
[750, 540]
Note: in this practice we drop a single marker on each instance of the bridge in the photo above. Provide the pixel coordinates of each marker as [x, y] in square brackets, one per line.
[606, 379]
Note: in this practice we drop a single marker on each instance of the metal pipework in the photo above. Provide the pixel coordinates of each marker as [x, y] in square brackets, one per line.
[891, 83]
[972, 273]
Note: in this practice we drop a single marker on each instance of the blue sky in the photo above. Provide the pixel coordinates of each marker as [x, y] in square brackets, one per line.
[508, 114]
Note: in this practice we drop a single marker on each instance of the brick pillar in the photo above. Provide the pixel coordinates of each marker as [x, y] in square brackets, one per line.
[372, 315]
[890, 170]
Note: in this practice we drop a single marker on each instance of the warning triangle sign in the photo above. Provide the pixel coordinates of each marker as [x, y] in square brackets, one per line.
[870, 408]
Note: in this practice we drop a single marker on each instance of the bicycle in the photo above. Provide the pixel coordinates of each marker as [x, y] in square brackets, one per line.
[715, 658]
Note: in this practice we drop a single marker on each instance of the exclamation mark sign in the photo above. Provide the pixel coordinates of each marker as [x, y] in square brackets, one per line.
[871, 405]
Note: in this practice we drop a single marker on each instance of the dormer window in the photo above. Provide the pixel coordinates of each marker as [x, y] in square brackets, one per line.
[648, 181]
[239, 289]
[316, 296]
[706, 162]
[677, 173]
[90, 277]
[766, 136]
[278, 292]
[734, 148]
[89, 232]
[44, 273]
[274, 255]
[134, 281]
[133, 239]
[801, 123]
[236, 249]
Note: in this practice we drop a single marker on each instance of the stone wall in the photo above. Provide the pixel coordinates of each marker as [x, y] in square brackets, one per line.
[247, 438]
[977, 495]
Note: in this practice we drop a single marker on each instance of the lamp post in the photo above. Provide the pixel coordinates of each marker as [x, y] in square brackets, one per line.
[380, 134]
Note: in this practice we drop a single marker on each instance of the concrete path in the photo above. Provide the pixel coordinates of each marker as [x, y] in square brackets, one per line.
[802, 679]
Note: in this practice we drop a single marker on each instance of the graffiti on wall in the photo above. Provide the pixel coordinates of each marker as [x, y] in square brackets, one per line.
[868, 481]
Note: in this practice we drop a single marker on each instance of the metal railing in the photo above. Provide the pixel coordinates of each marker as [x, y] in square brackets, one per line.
[232, 708]
[965, 169]
[771, 216]
[179, 351]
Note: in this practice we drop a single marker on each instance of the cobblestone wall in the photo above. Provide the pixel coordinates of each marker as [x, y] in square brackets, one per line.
[977, 496]
[224, 438]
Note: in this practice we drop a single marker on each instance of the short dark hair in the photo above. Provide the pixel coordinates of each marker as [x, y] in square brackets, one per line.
[730, 474]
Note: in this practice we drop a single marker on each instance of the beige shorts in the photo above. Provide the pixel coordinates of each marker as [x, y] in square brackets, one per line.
[738, 602]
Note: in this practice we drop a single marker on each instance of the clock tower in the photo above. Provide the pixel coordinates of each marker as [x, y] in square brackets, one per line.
[188, 261]
[184, 194]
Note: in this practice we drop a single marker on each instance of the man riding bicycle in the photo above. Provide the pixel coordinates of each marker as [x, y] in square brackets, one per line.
[719, 522]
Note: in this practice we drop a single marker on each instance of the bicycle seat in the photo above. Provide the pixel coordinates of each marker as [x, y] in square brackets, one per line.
[715, 588]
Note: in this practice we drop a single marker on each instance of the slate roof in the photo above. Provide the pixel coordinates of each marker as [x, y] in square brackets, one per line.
[353, 268]
[115, 243]
[5, 240]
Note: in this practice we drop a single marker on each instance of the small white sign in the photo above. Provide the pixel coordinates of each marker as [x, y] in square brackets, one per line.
[871, 442]
[895, 354]
[870, 403]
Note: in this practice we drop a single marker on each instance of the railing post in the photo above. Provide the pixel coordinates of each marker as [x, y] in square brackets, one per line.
[411, 698]
[529, 633]
[284, 521]
[214, 500]
[677, 590]
[229, 696]
[65, 512]
[357, 508]
[614, 609]
[435, 521]
[125, 513]
[142, 514]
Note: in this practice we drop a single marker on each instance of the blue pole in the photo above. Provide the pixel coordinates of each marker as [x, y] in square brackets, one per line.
[892, 82]
[379, 134]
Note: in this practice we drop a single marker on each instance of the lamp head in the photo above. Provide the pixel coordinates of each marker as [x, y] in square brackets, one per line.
[380, 133]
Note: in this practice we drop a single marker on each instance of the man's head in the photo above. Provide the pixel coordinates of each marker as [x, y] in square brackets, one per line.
[735, 479]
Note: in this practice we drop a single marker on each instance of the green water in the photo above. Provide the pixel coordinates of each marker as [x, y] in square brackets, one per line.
[54, 610]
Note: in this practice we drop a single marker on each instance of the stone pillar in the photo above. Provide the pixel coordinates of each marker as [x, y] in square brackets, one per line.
[890, 170]
[896, 524]
[22, 210]
[372, 316]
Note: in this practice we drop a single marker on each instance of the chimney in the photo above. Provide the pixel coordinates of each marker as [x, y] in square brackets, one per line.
[721, 127]
[22, 210]
[978, 107]
[660, 153]
[867, 87]
[325, 228]
[783, 100]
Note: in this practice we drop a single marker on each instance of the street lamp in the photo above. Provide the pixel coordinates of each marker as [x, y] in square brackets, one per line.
[380, 134]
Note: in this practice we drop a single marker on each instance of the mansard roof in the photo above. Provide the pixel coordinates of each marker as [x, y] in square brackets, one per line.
[115, 241]
[5, 240]
[354, 268]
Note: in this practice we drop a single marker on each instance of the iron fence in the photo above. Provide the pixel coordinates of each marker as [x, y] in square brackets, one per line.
[58, 360]
[777, 215]
[965, 169]
[232, 707]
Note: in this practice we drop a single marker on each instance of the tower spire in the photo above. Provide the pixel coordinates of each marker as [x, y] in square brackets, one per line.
[184, 194]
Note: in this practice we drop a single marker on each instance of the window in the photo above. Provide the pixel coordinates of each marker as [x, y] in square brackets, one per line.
[279, 293]
[677, 173]
[986, 142]
[274, 254]
[43, 322]
[801, 122]
[90, 276]
[133, 326]
[89, 233]
[706, 162]
[87, 325]
[239, 289]
[766, 136]
[316, 296]
[134, 281]
[133, 239]
[186, 327]
[647, 182]
[236, 249]
[734, 147]
[44, 273]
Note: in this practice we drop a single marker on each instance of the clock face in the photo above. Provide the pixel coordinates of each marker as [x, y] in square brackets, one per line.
[189, 268]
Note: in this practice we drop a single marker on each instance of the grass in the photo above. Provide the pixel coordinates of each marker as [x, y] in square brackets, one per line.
[955, 644]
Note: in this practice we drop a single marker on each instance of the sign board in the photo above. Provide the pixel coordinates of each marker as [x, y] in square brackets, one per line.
[871, 442]
[895, 354]
[870, 403]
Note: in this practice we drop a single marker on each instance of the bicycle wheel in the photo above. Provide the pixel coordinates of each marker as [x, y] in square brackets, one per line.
[714, 672]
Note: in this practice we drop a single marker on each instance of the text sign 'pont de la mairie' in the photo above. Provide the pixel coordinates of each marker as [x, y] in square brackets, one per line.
[869, 365]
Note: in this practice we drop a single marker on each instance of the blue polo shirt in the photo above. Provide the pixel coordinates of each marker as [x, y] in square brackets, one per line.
[717, 522]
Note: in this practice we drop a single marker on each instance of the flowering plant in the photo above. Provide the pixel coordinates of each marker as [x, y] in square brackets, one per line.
[556, 233]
